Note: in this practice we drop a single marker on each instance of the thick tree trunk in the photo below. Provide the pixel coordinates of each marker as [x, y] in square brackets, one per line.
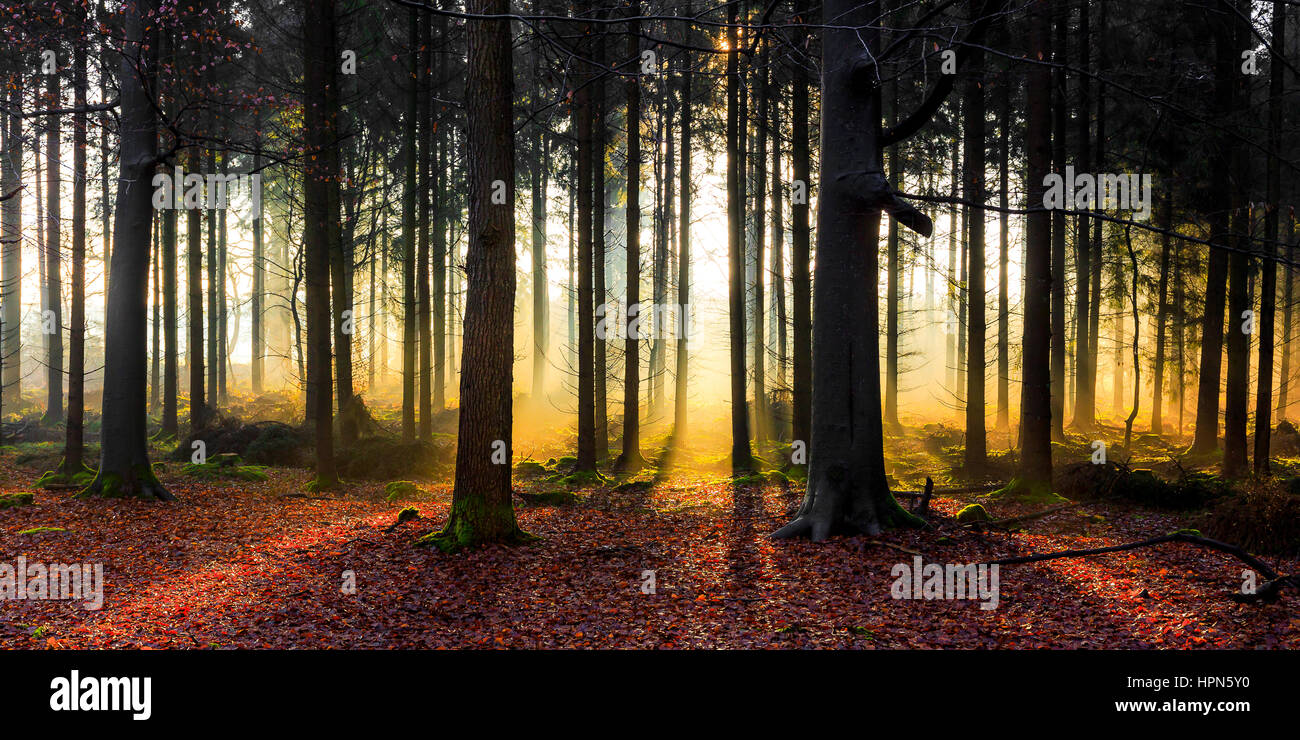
[847, 487]
[320, 217]
[124, 468]
[1212, 333]
[1035, 472]
[482, 510]
[1237, 376]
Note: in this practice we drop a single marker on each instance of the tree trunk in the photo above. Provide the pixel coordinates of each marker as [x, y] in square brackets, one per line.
[800, 244]
[409, 126]
[1084, 404]
[53, 257]
[599, 266]
[684, 250]
[124, 468]
[740, 452]
[973, 158]
[194, 286]
[1004, 253]
[320, 217]
[424, 121]
[1237, 375]
[1268, 281]
[11, 218]
[587, 426]
[1162, 315]
[482, 510]
[1060, 117]
[847, 487]
[74, 445]
[1212, 333]
[630, 459]
[1035, 472]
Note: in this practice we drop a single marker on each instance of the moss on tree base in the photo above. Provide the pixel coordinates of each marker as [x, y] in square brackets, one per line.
[473, 524]
[139, 483]
[1026, 492]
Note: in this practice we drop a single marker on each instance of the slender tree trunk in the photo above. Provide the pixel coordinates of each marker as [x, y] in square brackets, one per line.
[800, 245]
[409, 126]
[973, 158]
[74, 446]
[740, 452]
[194, 286]
[599, 230]
[587, 333]
[1268, 281]
[1084, 404]
[1004, 250]
[11, 218]
[1162, 315]
[684, 251]
[630, 458]
[891, 279]
[155, 336]
[54, 260]
[1060, 118]
[1288, 331]
[423, 278]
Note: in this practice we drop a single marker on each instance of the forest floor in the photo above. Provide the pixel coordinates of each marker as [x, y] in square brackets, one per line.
[236, 564]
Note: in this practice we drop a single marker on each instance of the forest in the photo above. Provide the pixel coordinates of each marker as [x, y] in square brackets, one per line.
[684, 324]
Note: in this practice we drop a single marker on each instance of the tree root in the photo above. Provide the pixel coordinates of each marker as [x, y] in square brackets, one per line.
[1268, 591]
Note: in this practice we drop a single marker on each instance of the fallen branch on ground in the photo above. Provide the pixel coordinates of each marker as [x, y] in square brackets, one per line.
[1268, 591]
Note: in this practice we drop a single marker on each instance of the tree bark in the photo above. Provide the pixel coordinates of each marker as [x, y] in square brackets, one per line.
[482, 510]
[124, 468]
[320, 217]
[847, 487]
[630, 459]
[973, 158]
